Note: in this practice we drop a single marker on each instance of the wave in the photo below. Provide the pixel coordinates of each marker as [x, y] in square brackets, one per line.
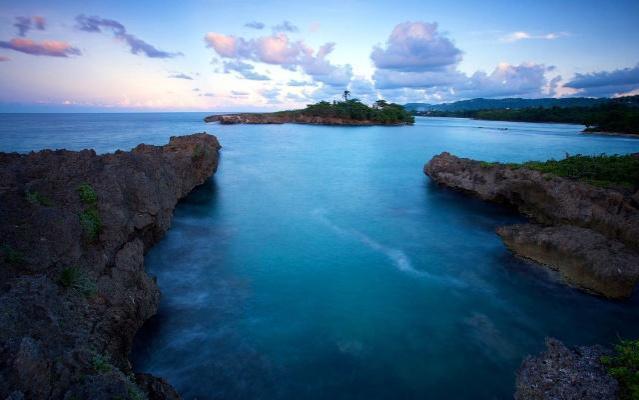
[399, 259]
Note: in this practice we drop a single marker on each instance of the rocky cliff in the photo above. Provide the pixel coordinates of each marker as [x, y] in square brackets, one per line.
[74, 227]
[286, 118]
[589, 234]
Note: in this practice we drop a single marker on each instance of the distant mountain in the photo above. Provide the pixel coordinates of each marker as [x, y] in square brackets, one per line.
[512, 103]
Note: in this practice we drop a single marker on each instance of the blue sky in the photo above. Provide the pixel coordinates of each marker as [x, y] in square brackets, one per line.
[210, 55]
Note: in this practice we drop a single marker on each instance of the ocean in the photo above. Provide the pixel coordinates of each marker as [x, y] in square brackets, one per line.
[320, 262]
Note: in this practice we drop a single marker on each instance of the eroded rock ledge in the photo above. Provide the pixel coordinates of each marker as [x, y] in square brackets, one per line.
[589, 234]
[73, 290]
[289, 118]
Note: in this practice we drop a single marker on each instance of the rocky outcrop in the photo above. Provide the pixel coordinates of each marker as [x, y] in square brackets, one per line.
[567, 374]
[74, 227]
[594, 237]
[288, 118]
[584, 257]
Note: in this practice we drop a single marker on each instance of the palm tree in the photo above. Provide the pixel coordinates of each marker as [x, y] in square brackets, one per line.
[346, 94]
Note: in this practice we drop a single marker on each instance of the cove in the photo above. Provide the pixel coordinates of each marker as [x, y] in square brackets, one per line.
[321, 263]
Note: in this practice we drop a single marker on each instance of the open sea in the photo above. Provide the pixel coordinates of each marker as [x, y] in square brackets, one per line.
[321, 263]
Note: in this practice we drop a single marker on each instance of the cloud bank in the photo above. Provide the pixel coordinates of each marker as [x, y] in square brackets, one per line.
[606, 83]
[418, 57]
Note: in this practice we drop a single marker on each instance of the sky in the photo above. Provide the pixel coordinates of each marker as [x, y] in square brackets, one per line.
[77, 56]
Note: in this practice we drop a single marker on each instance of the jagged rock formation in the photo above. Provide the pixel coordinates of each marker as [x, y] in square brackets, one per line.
[74, 227]
[567, 374]
[286, 118]
[589, 234]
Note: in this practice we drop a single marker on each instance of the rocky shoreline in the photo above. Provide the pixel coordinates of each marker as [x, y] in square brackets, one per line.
[564, 373]
[289, 118]
[74, 227]
[589, 234]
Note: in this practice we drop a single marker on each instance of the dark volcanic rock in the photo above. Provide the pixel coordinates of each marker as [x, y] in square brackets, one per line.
[585, 258]
[73, 291]
[286, 118]
[566, 374]
[594, 238]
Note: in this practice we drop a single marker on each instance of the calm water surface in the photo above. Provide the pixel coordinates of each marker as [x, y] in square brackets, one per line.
[320, 262]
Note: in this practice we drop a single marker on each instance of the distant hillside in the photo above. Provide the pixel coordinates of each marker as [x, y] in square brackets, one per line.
[618, 115]
[511, 103]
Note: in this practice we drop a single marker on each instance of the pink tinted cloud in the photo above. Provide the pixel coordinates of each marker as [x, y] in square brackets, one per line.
[224, 45]
[52, 48]
[278, 49]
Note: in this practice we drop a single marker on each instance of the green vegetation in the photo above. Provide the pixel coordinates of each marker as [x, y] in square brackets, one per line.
[198, 152]
[101, 364]
[135, 393]
[90, 218]
[618, 115]
[91, 223]
[624, 366]
[381, 112]
[74, 278]
[87, 194]
[602, 170]
[12, 256]
[37, 198]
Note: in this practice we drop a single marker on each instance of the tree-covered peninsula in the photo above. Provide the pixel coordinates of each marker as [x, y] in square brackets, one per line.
[346, 112]
[620, 115]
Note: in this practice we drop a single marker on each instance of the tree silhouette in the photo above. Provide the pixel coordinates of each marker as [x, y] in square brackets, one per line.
[346, 94]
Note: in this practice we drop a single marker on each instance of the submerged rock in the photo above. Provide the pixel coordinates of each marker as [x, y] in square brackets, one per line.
[566, 374]
[589, 234]
[74, 227]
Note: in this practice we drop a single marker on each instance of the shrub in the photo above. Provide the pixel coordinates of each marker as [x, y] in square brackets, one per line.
[135, 393]
[74, 278]
[624, 366]
[37, 198]
[486, 164]
[601, 170]
[91, 223]
[12, 256]
[87, 194]
[101, 364]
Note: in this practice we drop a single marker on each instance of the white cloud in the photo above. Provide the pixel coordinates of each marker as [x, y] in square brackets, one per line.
[521, 35]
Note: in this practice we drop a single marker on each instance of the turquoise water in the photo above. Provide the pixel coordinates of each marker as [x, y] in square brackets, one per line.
[320, 263]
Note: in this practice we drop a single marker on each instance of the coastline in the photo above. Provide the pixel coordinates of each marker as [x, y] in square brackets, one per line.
[587, 233]
[74, 231]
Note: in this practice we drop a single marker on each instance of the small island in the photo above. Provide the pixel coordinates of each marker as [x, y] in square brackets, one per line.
[609, 116]
[348, 112]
